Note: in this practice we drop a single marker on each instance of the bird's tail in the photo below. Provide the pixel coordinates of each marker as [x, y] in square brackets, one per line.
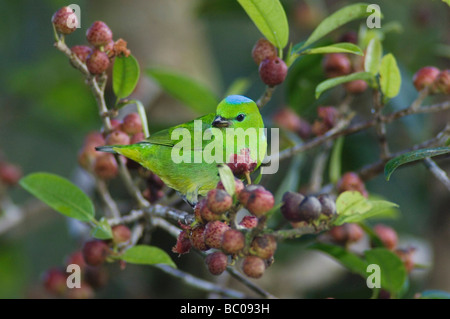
[107, 149]
[133, 151]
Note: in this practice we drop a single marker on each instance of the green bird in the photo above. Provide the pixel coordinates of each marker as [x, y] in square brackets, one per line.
[186, 156]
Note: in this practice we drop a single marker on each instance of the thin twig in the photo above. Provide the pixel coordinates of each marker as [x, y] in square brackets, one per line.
[438, 172]
[113, 210]
[237, 275]
[380, 125]
[266, 96]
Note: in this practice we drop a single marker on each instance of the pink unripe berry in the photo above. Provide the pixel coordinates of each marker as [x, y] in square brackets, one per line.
[95, 252]
[132, 124]
[219, 201]
[217, 262]
[346, 233]
[259, 201]
[350, 181]
[356, 86]
[264, 246]
[121, 234]
[10, 174]
[82, 52]
[117, 138]
[442, 83]
[138, 137]
[239, 185]
[425, 77]
[387, 235]
[65, 20]
[105, 166]
[97, 62]
[55, 281]
[214, 233]
[273, 71]
[262, 50]
[253, 267]
[99, 34]
[183, 244]
[249, 222]
[198, 238]
[336, 64]
[233, 241]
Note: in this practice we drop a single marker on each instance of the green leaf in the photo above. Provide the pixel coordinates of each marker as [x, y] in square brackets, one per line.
[188, 91]
[392, 165]
[373, 56]
[238, 87]
[60, 194]
[447, 2]
[336, 48]
[270, 19]
[227, 178]
[336, 160]
[378, 208]
[349, 260]
[392, 271]
[390, 78]
[350, 203]
[147, 255]
[125, 75]
[102, 230]
[435, 294]
[337, 19]
[330, 83]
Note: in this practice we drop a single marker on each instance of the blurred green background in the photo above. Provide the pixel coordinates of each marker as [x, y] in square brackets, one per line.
[46, 110]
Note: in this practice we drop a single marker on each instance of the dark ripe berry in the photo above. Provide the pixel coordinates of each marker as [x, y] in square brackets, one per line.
[425, 77]
[328, 205]
[273, 71]
[121, 234]
[249, 222]
[218, 201]
[82, 52]
[233, 241]
[336, 64]
[309, 209]
[356, 87]
[239, 185]
[10, 174]
[95, 252]
[55, 281]
[65, 20]
[442, 83]
[214, 233]
[241, 163]
[136, 138]
[96, 277]
[346, 233]
[264, 246]
[387, 235]
[84, 292]
[97, 62]
[350, 36]
[286, 118]
[198, 238]
[259, 201]
[291, 202]
[117, 138]
[350, 181]
[262, 50]
[253, 267]
[183, 244]
[132, 124]
[99, 34]
[407, 256]
[77, 259]
[217, 262]
[105, 166]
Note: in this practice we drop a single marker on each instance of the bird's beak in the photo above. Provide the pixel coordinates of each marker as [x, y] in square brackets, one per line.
[220, 122]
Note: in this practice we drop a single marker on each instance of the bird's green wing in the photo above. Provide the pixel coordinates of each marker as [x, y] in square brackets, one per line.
[173, 135]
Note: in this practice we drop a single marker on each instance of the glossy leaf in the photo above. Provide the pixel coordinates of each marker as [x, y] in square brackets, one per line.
[125, 75]
[336, 48]
[373, 56]
[190, 92]
[390, 78]
[227, 178]
[409, 157]
[270, 19]
[102, 230]
[379, 208]
[147, 255]
[330, 83]
[60, 194]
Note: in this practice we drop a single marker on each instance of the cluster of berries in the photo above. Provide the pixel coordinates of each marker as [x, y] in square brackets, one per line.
[90, 260]
[104, 165]
[103, 49]
[212, 231]
[435, 80]
[272, 69]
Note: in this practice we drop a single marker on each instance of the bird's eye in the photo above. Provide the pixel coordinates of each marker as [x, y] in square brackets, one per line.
[240, 117]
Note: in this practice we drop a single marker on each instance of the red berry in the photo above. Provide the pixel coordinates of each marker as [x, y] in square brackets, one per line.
[242, 163]
[109, 49]
[198, 238]
[217, 262]
[97, 62]
[249, 222]
[65, 20]
[356, 87]
[88, 153]
[121, 234]
[117, 138]
[442, 83]
[10, 174]
[350, 181]
[387, 235]
[262, 50]
[407, 256]
[77, 259]
[95, 252]
[218, 201]
[105, 166]
[350, 36]
[336, 64]
[346, 233]
[205, 213]
[183, 244]
[239, 185]
[99, 34]
[258, 201]
[82, 52]
[214, 233]
[273, 71]
[132, 124]
[233, 241]
[115, 124]
[138, 137]
[264, 246]
[286, 118]
[253, 267]
[425, 77]
[55, 281]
